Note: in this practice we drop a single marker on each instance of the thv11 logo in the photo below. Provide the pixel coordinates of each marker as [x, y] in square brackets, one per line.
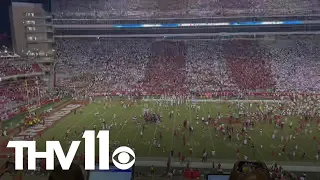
[122, 154]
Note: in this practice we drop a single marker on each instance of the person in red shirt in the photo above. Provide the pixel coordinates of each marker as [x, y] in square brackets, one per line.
[182, 159]
[43, 166]
[185, 123]
[168, 163]
[284, 149]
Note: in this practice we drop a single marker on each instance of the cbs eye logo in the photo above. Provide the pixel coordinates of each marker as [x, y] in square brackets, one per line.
[123, 157]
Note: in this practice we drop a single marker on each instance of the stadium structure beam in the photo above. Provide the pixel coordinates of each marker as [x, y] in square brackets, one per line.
[186, 35]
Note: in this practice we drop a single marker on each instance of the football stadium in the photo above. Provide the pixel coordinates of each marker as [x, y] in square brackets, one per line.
[198, 90]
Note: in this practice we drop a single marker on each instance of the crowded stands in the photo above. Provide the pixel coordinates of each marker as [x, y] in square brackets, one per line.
[183, 8]
[16, 93]
[11, 65]
[138, 65]
[15, 68]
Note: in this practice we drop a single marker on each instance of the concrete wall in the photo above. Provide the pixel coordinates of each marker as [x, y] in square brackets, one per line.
[35, 32]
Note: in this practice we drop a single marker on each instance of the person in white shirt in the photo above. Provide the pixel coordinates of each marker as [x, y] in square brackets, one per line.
[293, 154]
[245, 142]
[213, 152]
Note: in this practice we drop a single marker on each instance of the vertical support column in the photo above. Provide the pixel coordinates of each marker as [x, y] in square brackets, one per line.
[51, 81]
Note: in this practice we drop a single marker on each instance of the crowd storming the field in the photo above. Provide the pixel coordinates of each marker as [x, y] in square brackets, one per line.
[222, 129]
[190, 100]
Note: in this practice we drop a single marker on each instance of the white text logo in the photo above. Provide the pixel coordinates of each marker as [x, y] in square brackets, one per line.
[120, 157]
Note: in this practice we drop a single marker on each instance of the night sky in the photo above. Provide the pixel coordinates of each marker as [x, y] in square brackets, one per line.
[4, 17]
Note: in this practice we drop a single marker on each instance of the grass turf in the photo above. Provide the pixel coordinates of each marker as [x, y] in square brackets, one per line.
[199, 140]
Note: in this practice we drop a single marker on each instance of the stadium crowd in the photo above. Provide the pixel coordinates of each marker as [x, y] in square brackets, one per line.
[201, 66]
[145, 66]
[16, 93]
[180, 8]
[15, 67]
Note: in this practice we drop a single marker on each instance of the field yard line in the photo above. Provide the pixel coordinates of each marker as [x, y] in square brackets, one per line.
[138, 128]
[232, 141]
[123, 124]
[93, 122]
[173, 126]
[135, 134]
[259, 152]
[190, 114]
[59, 123]
[151, 143]
[209, 128]
[73, 125]
[306, 153]
[134, 138]
[154, 134]
[276, 147]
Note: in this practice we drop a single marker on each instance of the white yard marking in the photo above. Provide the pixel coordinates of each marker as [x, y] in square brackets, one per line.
[80, 119]
[173, 126]
[49, 121]
[268, 135]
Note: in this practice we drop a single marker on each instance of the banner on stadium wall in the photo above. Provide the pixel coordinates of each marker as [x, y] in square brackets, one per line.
[208, 95]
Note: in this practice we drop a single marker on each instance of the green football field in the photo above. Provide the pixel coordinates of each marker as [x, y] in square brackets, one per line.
[201, 138]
